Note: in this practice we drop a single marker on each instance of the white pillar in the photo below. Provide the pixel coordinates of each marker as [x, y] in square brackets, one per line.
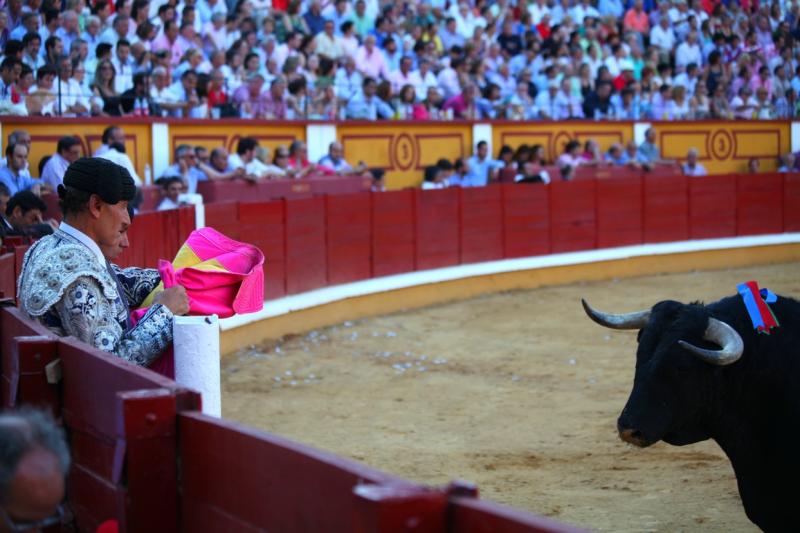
[482, 132]
[159, 133]
[639, 129]
[795, 137]
[318, 139]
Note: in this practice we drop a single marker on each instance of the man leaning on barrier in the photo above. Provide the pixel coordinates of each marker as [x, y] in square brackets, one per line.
[34, 460]
[69, 284]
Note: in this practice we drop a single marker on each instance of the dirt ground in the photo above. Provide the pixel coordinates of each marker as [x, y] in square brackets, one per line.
[518, 392]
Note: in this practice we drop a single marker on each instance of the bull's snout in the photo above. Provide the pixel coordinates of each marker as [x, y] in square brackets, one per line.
[631, 435]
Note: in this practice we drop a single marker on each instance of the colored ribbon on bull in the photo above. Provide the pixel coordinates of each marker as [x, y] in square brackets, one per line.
[755, 301]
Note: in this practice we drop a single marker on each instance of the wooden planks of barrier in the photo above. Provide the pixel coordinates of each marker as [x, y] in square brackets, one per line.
[263, 224]
[393, 232]
[235, 478]
[791, 202]
[470, 515]
[526, 220]
[306, 258]
[665, 208]
[712, 207]
[481, 224]
[348, 231]
[573, 215]
[759, 204]
[437, 228]
[619, 211]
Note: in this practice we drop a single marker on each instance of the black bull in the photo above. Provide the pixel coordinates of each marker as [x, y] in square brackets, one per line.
[745, 396]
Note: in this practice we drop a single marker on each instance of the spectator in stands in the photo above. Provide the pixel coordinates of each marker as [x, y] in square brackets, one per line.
[78, 301]
[693, 167]
[481, 168]
[245, 160]
[335, 161]
[171, 189]
[218, 166]
[185, 166]
[434, 178]
[25, 215]
[649, 153]
[787, 163]
[34, 461]
[136, 100]
[68, 150]
[753, 166]
[365, 105]
[298, 162]
[114, 150]
[615, 156]
[14, 175]
[571, 158]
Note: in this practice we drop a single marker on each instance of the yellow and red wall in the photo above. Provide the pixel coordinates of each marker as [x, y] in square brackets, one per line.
[403, 148]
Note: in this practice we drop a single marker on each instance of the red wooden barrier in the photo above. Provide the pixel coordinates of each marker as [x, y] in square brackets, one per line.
[238, 479]
[791, 202]
[264, 191]
[263, 225]
[712, 207]
[481, 224]
[573, 220]
[224, 217]
[619, 211]
[348, 223]
[526, 220]
[8, 279]
[437, 228]
[759, 204]
[469, 515]
[393, 233]
[13, 323]
[666, 208]
[123, 452]
[305, 245]
[157, 235]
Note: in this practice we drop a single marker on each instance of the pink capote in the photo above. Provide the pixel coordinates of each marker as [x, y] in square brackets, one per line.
[221, 276]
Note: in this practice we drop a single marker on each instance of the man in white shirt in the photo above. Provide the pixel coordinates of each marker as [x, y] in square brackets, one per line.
[583, 10]
[68, 150]
[422, 79]
[688, 52]
[123, 65]
[113, 149]
[402, 76]
[663, 36]
[692, 167]
[328, 43]
[537, 10]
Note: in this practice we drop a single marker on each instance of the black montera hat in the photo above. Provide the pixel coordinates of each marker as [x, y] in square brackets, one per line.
[111, 182]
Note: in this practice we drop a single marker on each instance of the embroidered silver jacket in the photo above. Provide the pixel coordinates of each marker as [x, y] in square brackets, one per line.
[66, 288]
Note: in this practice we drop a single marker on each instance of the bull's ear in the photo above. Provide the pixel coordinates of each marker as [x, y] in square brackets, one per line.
[635, 320]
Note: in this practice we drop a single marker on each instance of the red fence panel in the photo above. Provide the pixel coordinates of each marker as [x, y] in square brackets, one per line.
[393, 234]
[224, 217]
[573, 220]
[8, 279]
[238, 479]
[712, 207]
[305, 245]
[619, 211]
[263, 225]
[348, 221]
[437, 232]
[759, 204]
[791, 202]
[481, 224]
[666, 208]
[526, 220]
[469, 515]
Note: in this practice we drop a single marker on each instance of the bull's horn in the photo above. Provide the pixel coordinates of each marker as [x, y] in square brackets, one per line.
[722, 334]
[635, 320]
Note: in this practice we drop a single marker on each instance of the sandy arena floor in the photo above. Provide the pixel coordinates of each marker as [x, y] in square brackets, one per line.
[518, 392]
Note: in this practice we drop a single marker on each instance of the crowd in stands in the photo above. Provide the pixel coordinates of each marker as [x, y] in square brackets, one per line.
[379, 59]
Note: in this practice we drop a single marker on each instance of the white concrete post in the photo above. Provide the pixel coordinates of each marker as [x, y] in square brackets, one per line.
[482, 132]
[159, 134]
[318, 139]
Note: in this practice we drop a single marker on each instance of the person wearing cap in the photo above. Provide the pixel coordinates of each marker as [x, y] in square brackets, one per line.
[69, 284]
